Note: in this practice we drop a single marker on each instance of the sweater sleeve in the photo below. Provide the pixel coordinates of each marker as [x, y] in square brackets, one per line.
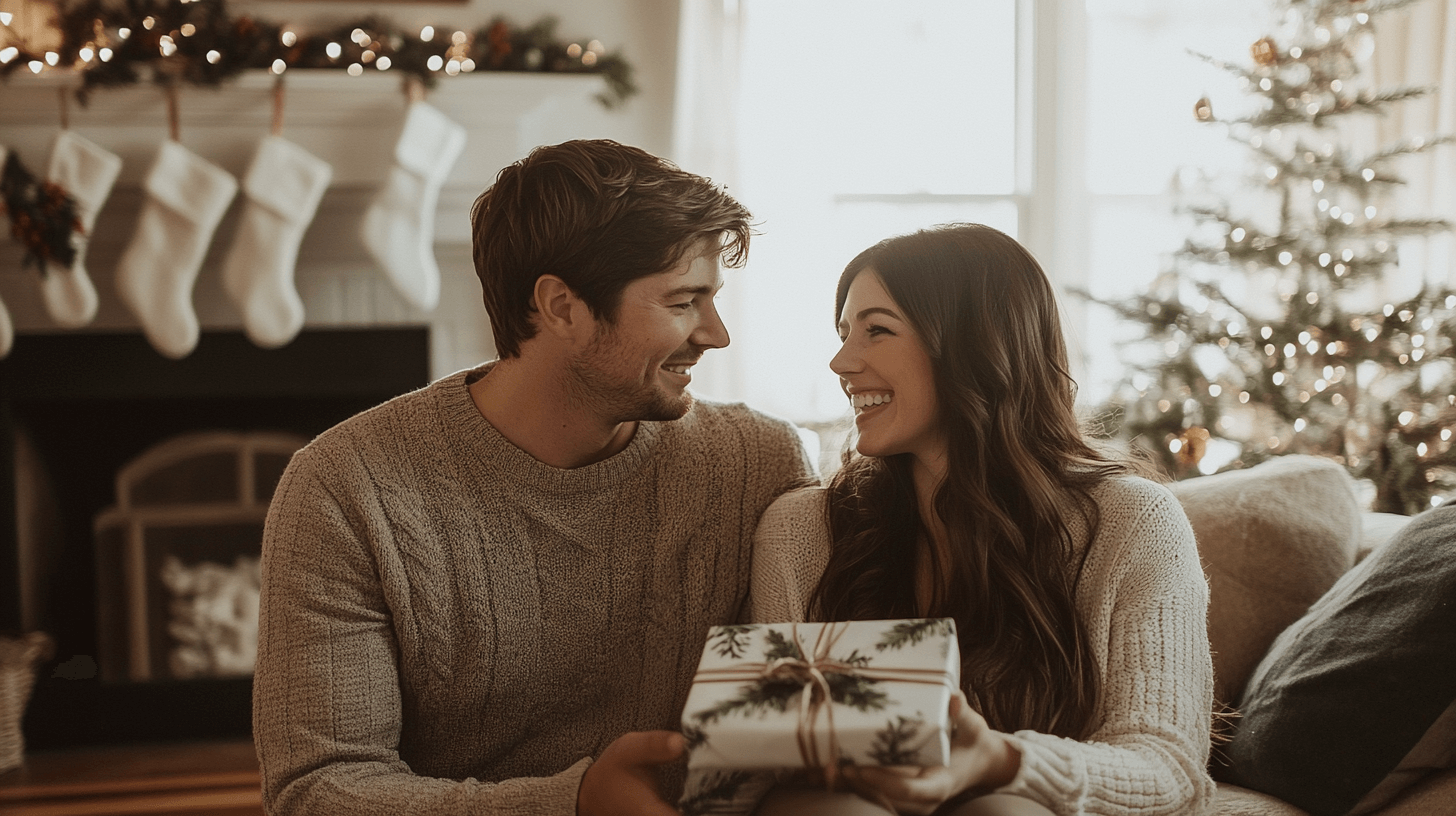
[790, 551]
[1143, 582]
[327, 710]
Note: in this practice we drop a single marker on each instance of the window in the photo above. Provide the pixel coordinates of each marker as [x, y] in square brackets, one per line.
[1061, 122]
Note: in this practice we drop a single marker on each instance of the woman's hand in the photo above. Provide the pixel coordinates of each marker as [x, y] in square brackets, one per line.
[979, 758]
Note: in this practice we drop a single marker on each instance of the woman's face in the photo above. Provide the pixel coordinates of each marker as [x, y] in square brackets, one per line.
[885, 370]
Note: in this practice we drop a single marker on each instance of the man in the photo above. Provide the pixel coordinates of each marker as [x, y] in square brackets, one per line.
[490, 595]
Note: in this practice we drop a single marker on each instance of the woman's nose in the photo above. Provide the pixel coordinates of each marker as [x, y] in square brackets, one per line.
[845, 361]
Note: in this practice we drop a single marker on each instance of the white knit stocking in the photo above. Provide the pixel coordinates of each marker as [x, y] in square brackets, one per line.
[186, 198]
[86, 172]
[7, 329]
[399, 227]
[283, 188]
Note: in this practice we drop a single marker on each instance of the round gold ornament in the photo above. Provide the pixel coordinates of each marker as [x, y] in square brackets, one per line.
[1265, 52]
[1195, 444]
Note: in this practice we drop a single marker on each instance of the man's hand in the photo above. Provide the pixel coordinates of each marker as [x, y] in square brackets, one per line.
[979, 758]
[623, 780]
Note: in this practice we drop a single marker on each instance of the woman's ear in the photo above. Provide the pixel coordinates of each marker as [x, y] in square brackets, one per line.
[560, 312]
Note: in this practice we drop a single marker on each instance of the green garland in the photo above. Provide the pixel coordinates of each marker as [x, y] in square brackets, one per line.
[199, 42]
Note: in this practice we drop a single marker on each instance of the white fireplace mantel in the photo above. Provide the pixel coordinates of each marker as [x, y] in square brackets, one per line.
[350, 122]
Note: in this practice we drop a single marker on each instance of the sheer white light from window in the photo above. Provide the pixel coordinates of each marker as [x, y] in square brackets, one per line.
[860, 120]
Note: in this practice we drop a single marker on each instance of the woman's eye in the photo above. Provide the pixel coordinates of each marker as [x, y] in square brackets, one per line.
[876, 330]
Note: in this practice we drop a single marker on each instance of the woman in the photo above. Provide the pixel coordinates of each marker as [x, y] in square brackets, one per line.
[1075, 586]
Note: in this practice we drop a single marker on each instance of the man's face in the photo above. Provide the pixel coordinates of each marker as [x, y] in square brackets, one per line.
[637, 367]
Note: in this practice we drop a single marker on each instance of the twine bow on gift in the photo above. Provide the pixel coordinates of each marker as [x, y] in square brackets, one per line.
[813, 670]
[811, 674]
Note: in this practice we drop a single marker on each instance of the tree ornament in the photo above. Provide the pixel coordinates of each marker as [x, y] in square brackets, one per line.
[1265, 52]
[1203, 110]
[1194, 443]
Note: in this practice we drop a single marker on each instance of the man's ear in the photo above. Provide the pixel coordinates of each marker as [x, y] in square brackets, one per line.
[560, 311]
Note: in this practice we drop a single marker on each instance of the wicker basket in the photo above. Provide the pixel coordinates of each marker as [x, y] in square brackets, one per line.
[18, 658]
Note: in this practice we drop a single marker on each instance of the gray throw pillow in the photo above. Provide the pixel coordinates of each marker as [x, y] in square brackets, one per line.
[1347, 690]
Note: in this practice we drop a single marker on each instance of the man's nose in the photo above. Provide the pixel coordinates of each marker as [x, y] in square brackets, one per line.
[711, 333]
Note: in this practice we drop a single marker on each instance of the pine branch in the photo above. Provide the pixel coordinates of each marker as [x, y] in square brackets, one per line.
[1406, 149]
[753, 698]
[780, 647]
[909, 633]
[731, 641]
[695, 736]
[1413, 226]
[892, 745]
[720, 790]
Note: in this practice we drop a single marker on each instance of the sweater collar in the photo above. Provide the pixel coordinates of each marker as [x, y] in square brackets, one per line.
[520, 467]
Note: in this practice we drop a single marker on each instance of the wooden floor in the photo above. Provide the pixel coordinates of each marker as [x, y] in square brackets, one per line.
[181, 779]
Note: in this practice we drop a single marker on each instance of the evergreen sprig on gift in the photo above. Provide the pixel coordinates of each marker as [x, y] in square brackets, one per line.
[774, 693]
[42, 215]
[893, 743]
[695, 736]
[731, 641]
[909, 633]
[716, 793]
[753, 698]
[1269, 334]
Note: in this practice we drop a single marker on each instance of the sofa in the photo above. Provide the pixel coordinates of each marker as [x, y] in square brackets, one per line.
[1274, 538]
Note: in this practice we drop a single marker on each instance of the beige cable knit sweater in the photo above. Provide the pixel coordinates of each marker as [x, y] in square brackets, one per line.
[1144, 599]
[449, 626]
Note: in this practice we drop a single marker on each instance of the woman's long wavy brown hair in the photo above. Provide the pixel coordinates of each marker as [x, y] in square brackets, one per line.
[1018, 465]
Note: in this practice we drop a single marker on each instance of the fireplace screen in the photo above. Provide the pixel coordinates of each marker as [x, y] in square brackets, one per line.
[178, 573]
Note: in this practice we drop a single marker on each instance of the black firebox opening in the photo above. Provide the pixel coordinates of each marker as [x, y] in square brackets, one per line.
[85, 404]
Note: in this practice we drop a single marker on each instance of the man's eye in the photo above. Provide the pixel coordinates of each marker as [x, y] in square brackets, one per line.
[687, 305]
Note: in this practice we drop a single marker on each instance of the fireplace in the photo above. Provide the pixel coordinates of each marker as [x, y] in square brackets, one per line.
[132, 489]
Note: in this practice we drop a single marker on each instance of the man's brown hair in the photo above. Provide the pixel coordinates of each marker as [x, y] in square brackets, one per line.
[598, 215]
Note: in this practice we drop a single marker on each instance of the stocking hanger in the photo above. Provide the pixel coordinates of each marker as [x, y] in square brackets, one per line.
[279, 98]
[173, 118]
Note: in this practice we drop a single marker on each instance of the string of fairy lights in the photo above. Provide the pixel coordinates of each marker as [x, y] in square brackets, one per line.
[199, 42]
[1267, 333]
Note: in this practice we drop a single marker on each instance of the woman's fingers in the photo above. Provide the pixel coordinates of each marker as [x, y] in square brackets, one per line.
[967, 725]
[910, 790]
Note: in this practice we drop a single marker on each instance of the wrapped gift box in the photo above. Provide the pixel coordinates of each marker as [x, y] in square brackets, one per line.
[793, 695]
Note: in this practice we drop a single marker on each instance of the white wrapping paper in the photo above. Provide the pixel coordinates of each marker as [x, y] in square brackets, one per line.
[781, 695]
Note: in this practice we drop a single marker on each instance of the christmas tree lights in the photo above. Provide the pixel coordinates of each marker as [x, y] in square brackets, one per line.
[1270, 334]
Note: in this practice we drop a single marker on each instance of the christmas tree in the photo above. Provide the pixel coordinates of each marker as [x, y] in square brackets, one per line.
[1270, 334]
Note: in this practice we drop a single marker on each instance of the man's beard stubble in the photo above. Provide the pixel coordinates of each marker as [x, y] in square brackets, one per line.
[591, 387]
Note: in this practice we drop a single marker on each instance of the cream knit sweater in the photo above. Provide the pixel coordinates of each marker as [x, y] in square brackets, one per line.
[449, 626]
[1144, 600]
